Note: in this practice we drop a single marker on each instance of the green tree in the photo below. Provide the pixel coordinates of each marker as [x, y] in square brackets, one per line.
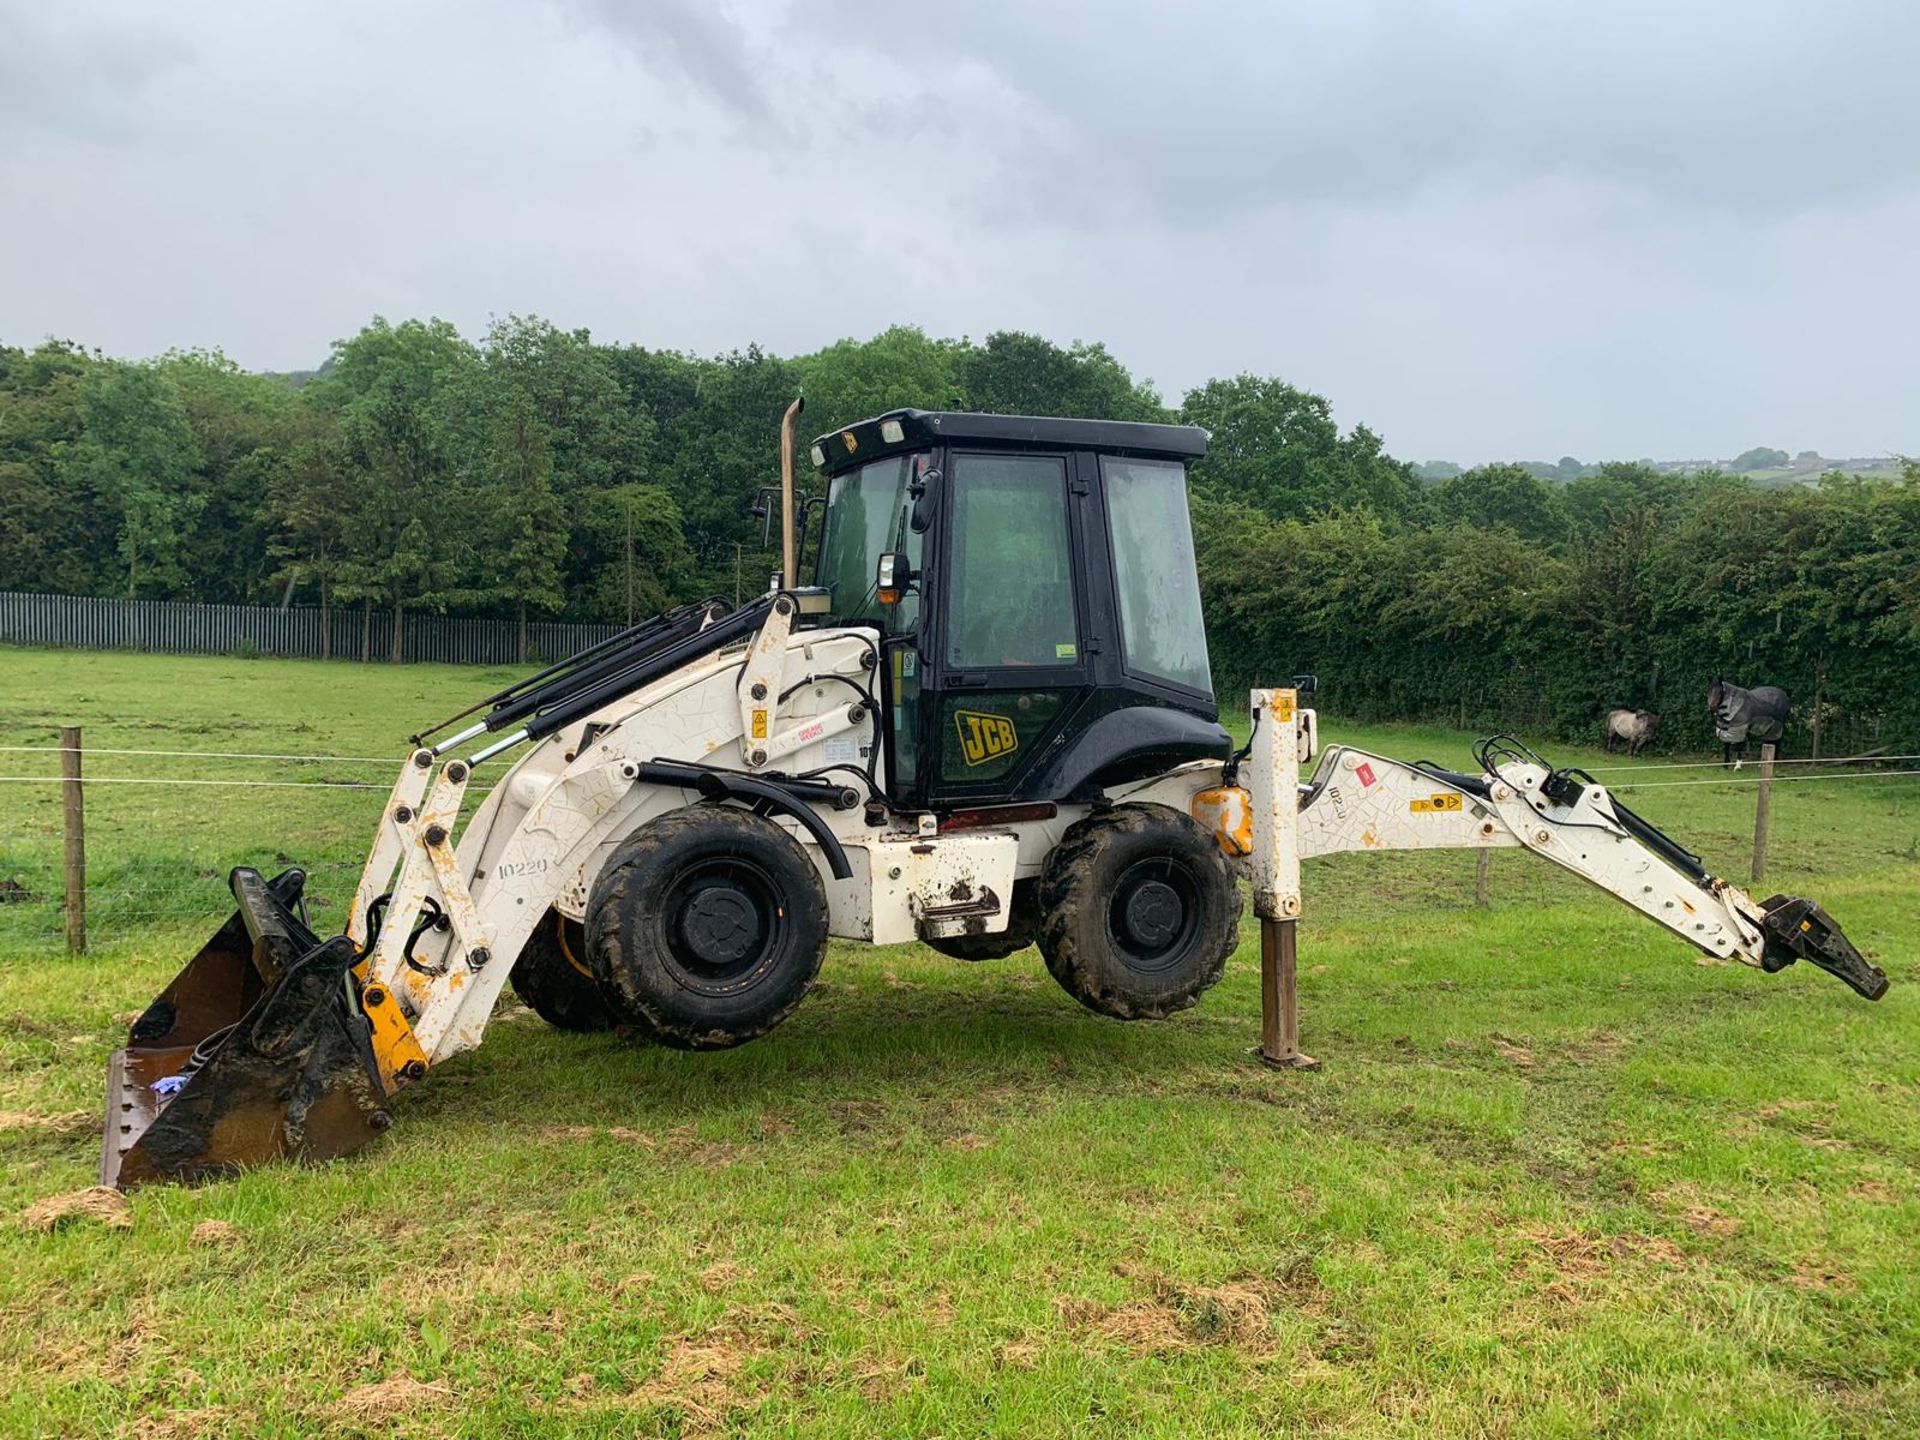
[527, 525]
[241, 424]
[1020, 374]
[1278, 449]
[411, 400]
[1503, 497]
[637, 559]
[857, 379]
[313, 508]
[49, 525]
[137, 454]
[1760, 457]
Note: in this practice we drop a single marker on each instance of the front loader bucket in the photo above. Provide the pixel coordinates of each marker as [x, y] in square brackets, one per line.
[259, 1050]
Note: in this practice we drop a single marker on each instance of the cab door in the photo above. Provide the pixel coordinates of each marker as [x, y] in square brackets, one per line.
[1006, 652]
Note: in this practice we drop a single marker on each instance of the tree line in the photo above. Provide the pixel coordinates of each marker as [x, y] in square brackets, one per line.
[537, 473]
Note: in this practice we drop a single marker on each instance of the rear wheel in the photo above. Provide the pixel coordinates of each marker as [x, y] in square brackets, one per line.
[552, 980]
[1139, 912]
[707, 927]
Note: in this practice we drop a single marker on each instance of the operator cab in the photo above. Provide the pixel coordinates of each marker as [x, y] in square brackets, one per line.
[1034, 587]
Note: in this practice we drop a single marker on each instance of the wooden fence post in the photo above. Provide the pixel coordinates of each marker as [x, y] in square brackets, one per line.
[1480, 878]
[1762, 813]
[76, 828]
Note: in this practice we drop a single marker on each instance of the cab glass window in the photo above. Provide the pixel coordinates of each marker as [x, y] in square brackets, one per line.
[867, 513]
[1010, 595]
[1161, 632]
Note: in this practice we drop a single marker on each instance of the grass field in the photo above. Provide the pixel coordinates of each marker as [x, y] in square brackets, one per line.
[1557, 1178]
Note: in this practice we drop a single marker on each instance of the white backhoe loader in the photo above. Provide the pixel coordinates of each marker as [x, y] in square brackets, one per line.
[988, 724]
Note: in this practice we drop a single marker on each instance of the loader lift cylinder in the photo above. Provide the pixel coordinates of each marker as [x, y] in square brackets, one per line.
[1275, 795]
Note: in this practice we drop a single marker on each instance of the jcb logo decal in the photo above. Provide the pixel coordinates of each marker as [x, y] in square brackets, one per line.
[985, 737]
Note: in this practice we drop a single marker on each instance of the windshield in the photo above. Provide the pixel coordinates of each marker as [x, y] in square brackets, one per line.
[867, 512]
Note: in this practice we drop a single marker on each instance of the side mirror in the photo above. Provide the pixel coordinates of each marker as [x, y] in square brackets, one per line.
[926, 501]
[891, 577]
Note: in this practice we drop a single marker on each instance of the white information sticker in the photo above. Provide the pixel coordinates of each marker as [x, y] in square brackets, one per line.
[842, 750]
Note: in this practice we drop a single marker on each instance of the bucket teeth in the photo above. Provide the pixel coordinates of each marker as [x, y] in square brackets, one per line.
[257, 1051]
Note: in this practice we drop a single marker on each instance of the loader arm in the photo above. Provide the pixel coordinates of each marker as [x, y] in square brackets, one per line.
[277, 1042]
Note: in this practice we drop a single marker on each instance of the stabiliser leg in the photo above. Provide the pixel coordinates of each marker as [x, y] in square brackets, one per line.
[1274, 799]
[1279, 998]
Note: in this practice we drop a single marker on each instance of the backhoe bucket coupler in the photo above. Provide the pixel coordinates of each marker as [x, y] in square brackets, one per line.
[1801, 930]
[259, 1050]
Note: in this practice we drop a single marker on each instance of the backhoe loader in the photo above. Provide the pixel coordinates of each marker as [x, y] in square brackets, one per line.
[988, 723]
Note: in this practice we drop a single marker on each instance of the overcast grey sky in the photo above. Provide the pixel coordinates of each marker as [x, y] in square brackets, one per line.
[1484, 228]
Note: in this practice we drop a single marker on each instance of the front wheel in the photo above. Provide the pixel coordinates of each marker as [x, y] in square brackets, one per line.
[707, 927]
[1139, 912]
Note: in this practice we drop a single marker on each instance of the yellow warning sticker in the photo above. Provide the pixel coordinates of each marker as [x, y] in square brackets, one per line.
[759, 724]
[1432, 804]
[1283, 708]
[985, 736]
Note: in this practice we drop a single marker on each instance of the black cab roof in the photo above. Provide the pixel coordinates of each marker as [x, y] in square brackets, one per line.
[904, 430]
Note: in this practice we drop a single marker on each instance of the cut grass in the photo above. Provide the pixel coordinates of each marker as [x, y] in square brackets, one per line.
[1556, 1178]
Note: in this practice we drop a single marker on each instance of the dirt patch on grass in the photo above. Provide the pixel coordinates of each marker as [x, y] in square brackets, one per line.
[700, 1374]
[74, 1122]
[1174, 1316]
[580, 1134]
[1516, 1052]
[858, 1116]
[98, 1204]
[182, 1424]
[1705, 1220]
[679, 1143]
[1820, 1275]
[723, 1275]
[1691, 1206]
[1598, 1047]
[214, 1232]
[388, 1399]
[1580, 1264]
[1876, 1191]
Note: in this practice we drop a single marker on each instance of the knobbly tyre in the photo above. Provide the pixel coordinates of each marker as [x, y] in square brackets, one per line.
[987, 724]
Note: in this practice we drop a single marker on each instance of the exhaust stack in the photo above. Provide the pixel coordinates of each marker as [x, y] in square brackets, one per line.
[789, 557]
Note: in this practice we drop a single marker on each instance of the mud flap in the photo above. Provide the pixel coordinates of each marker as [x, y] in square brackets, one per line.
[1801, 930]
[257, 1051]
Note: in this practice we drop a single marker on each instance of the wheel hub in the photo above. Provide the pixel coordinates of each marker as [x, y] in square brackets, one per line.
[720, 925]
[1153, 914]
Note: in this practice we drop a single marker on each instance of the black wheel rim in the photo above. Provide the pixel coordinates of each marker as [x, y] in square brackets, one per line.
[1154, 914]
[724, 923]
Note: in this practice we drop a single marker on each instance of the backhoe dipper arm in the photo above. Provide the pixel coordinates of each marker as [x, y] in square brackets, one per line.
[1358, 801]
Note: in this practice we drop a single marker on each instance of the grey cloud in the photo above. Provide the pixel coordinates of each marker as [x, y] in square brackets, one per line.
[698, 39]
[1202, 111]
[1481, 227]
[73, 75]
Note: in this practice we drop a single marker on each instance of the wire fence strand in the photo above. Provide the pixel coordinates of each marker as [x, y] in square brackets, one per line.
[209, 754]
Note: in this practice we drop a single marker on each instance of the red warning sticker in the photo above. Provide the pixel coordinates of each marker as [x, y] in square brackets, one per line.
[1364, 774]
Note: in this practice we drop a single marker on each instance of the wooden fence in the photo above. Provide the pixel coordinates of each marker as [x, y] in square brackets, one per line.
[347, 633]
